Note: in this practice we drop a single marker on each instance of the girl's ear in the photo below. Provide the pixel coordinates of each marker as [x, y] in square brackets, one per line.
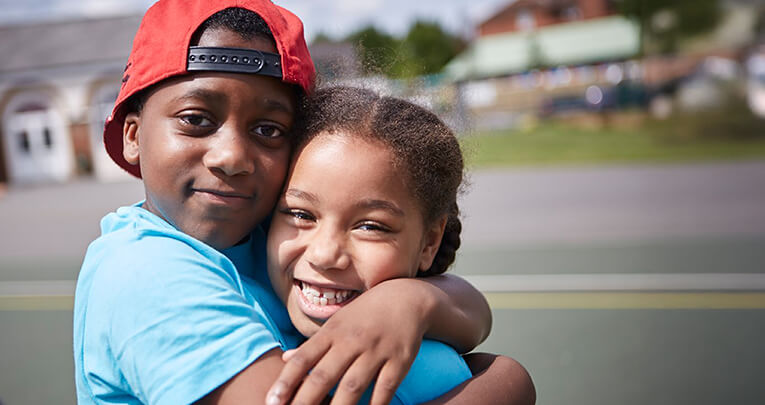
[431, 242]
[130, 138]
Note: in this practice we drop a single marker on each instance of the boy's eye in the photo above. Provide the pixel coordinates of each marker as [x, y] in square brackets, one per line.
[268, 131]
[197, 120]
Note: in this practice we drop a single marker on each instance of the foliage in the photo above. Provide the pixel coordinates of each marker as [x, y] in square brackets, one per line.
[664, 23]
[425, 49]
[428, 48]
[376, 49]
[321, 38]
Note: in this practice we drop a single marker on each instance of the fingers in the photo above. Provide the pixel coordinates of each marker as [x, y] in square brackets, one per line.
[286, 356]
[324, 376]
[387, 383]
[294, 371]
[356, 380]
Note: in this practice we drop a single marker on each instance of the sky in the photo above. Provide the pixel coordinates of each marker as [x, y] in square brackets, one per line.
[333, 17]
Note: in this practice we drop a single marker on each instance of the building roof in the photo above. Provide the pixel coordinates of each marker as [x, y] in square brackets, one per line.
[580, 42]
[53, 44]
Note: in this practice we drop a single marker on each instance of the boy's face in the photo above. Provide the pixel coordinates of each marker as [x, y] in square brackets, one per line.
[213, 147]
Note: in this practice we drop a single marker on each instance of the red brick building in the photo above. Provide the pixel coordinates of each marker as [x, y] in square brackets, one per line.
[525, 15]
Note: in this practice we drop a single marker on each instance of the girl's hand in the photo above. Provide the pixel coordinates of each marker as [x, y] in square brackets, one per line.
[376, 335]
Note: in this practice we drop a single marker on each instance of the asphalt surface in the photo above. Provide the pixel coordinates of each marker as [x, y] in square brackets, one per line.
[611, 285]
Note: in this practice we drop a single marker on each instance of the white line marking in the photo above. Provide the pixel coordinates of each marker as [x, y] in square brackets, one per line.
[510, 283]
[619, 282]
[37, 288]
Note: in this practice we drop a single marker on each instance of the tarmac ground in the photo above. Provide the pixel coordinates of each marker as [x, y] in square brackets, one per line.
[612, 285]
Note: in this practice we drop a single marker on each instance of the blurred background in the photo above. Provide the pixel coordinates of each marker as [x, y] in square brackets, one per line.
[615, 216]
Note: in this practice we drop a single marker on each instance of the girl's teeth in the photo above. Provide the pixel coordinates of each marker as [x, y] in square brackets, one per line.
[326, 297]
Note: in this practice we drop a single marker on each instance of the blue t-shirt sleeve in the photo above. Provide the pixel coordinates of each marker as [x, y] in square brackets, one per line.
[436, 370]
[178, 323]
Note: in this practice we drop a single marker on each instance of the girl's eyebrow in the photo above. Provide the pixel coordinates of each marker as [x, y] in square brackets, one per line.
[303, 195]
[382, 205]
[369, 203]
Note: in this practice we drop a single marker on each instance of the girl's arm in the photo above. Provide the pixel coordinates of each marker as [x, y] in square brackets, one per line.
[496, 380]
[378, 336]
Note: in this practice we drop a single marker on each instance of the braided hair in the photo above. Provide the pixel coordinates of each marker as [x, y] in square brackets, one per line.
[422, 145]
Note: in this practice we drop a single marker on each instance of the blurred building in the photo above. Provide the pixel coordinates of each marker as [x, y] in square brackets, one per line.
[541, 57]
[335, 60]
[533, 51]
[524, 15]
[58, 83]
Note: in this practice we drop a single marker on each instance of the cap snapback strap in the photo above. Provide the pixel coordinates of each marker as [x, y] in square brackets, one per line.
[236, 60]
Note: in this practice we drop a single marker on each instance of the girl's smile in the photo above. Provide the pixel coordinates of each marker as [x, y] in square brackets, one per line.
[345, 222]
[321, 302]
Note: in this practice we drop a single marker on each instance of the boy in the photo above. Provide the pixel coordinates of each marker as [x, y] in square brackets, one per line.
[173, 303]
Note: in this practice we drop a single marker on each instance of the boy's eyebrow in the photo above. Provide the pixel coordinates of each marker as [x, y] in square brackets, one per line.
[207, 95]
[272, 104]
[220, 98]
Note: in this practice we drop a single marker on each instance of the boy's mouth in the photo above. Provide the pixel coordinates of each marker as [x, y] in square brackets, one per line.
[322, 302]
[218, 197]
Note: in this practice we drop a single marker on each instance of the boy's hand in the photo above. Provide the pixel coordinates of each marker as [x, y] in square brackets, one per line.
[376, 335]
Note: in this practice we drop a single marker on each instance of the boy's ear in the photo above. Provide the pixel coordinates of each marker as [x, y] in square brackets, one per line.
[432, 242]
[130, 138]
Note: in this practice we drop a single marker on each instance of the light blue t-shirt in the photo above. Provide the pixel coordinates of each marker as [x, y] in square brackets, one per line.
[162, 318]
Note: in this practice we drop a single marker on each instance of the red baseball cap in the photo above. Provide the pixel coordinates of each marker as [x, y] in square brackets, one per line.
[161, 50]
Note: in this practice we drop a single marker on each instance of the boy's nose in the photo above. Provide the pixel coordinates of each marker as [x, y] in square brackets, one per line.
[326, 250]
[229, 153]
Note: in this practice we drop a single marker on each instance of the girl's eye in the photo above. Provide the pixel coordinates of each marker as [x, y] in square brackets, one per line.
[299, 216]
[268, 131]
[197, 120]
[373, 227]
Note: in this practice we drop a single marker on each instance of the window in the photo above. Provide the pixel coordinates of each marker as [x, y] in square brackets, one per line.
[571, 13]
[24, 141]
[525, 20]
[47, 138]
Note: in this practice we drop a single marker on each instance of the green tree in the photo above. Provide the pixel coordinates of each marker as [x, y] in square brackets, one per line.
[376, 49]
[426, 49]
[322, 38]
[663, 23]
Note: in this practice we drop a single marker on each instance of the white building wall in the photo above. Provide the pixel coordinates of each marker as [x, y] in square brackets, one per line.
[36, 142]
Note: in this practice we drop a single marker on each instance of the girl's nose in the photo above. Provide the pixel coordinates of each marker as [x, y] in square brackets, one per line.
[326, 250]
[229, 153]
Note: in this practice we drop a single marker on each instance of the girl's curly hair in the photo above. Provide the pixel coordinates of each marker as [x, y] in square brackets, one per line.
[422, 145]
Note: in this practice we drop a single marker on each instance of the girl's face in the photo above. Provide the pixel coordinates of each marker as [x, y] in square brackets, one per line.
[345, 222]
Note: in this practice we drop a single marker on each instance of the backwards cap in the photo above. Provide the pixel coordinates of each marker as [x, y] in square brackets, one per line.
[161, 50]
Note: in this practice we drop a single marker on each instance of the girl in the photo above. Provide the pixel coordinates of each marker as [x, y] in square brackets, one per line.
[371, 197]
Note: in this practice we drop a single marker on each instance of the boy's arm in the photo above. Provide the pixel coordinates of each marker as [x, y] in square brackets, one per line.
[378, 336]
[462, 317]
[496, 380]
[250, 385]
